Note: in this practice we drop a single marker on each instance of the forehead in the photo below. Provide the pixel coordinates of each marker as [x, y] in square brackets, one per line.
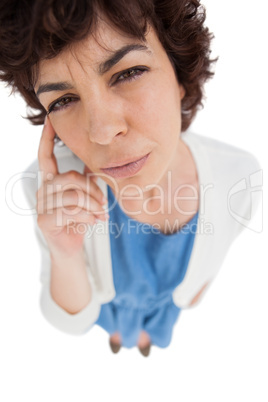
[93, 50]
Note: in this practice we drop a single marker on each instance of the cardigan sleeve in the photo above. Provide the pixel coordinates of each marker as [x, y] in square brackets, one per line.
[75, 324]
[234, 179]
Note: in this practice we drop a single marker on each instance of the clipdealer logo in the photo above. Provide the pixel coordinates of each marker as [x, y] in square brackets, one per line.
[245, 202]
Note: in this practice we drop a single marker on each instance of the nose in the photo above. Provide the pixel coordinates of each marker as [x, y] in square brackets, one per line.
[105, 121]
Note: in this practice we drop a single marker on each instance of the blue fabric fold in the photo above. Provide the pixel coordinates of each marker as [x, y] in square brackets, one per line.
[147, 266]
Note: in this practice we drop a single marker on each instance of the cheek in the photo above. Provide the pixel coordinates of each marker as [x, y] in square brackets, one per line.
[157, 105]
[60, 126]
[69, 132]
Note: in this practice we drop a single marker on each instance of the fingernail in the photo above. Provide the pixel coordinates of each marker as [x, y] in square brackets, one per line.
[45, 121]
[102, 218]
[104, 200]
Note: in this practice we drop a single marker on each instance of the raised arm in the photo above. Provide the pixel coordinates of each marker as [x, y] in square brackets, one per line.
[64, 201]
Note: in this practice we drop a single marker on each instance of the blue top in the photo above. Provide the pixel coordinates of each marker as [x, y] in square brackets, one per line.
[147, 266]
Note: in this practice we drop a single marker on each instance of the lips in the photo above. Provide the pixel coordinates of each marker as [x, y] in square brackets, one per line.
[125, 170]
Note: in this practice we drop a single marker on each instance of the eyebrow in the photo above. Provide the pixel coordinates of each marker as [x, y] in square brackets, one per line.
[119, 54]
[57, 86]
[102, 69]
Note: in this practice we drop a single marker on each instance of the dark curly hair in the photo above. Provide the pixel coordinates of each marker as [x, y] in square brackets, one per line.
[32, 30]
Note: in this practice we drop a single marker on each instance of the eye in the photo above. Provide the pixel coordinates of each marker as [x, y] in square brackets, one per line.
[130, 74]
[61, 104]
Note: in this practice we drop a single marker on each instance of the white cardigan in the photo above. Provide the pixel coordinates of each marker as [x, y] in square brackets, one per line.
[225, 174]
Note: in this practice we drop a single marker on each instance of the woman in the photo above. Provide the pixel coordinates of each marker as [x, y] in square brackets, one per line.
[135, 214]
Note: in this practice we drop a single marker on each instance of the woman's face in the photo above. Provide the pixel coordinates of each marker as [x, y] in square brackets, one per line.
[112, 100]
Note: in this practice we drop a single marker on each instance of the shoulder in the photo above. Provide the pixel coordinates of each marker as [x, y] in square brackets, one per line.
[233, 175]
[226, 160]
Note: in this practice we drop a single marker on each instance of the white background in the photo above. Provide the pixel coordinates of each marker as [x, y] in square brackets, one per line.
[219, 349]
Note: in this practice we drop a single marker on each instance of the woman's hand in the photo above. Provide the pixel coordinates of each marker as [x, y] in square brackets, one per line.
[66, 203]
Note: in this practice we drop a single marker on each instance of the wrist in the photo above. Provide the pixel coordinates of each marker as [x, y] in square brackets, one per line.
[67, 256]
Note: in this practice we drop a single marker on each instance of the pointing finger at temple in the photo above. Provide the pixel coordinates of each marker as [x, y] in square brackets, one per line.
[47, 160]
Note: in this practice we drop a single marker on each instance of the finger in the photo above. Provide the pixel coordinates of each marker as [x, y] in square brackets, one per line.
[71, 198]
[72, 180]
[47, 160]
[88, 173]
[60, 218]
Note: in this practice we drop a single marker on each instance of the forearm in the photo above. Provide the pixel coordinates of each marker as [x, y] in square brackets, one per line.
[69, 285]
[198, 295]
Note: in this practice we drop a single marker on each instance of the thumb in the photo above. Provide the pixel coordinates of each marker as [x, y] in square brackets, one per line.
[90, 174]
